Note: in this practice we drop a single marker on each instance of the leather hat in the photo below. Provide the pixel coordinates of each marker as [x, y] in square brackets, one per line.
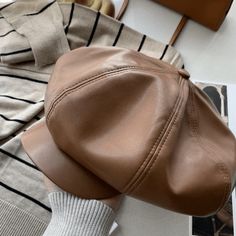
[117, 121]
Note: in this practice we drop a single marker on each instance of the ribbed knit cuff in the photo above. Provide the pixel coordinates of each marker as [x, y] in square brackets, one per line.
[74, 216]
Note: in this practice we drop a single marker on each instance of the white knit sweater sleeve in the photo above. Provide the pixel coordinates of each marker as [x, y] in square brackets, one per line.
[72, 216]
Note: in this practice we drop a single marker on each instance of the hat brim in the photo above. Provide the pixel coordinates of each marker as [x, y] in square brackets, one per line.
[60, 168]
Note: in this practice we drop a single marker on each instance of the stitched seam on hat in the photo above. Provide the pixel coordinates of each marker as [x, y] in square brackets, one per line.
[136, 175]
[222, 168]
[108, 72]
[224, 173]
[164, 139]
[193, 125]
[140, 177]
[94, 78]
[85, 81]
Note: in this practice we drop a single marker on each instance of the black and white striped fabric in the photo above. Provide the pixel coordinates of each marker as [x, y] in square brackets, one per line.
[33, 34]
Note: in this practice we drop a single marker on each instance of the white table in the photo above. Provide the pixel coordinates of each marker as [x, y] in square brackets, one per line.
[208, 56]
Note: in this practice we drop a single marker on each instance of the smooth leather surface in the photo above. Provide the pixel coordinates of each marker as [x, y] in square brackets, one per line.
[139, 125]
[62, 169]
[210, 13]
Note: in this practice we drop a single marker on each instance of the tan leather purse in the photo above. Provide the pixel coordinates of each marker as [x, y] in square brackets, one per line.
[210, 13]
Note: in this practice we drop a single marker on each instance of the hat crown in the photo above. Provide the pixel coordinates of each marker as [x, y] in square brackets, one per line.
[142, 127]
[114, 102]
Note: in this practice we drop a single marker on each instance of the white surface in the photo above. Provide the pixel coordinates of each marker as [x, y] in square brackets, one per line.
[137, 218]
[208, 56]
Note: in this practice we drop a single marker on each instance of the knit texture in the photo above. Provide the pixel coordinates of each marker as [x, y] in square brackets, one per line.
[75, 216]
[19, 220]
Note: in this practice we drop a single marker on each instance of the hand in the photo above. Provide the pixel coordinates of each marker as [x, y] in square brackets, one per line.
[113, 202]
[104, 6]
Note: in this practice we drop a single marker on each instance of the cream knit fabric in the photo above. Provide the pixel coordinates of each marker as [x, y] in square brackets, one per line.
[33, 34]
[74, 216]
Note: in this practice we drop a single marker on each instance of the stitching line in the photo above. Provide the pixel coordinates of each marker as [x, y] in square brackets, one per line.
[152, 162]
[222, 168]
[88, 80]
[224, 173]
[74, 86]
[136, 175]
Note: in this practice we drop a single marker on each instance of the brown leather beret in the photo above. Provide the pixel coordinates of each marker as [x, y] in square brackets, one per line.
[120, 121]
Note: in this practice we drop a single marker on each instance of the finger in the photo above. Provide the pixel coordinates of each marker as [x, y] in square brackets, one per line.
[107, 8]
[85, 2]
[97, 4]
